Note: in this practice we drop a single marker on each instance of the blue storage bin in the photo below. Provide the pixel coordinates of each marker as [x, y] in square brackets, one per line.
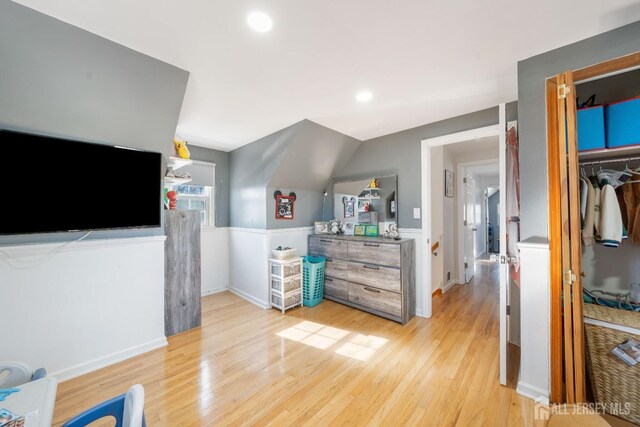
[591, 135]
[623, 123]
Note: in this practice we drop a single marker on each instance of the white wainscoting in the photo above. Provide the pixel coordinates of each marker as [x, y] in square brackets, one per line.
[80, 307]
[214, 260]
[249, 252]
[416, 234]
[535, 354]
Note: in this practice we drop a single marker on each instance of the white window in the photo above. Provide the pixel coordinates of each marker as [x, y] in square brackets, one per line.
[199, 194]
[196, 198]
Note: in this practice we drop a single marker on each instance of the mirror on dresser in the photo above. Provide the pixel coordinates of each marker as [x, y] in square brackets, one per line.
[369, 200]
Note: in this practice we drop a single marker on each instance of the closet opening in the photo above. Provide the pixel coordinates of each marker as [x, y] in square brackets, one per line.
[593, 118]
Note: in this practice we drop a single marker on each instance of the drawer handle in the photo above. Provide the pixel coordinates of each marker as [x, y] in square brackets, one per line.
[371, 290]
[326, 241]
[328, 279]
[371, 268]
[372, 245]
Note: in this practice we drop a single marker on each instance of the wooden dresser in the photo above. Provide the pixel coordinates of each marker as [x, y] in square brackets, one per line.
[373, 274]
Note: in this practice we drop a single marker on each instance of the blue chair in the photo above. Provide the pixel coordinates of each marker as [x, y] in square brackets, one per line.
[127, 409]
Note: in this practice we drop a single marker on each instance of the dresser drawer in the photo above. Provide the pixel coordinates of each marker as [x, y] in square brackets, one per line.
[336, 268]
[376, 299]
[374, 252]
[330, 248]
[336, 288]
[375, 275]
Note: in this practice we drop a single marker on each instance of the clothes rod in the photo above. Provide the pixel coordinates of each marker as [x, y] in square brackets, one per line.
[604, 161]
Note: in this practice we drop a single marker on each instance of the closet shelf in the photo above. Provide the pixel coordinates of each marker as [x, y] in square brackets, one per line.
[611, 153]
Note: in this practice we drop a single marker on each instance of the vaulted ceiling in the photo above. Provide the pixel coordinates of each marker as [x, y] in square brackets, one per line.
[423, 60]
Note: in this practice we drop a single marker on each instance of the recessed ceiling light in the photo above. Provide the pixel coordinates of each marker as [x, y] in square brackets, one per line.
[259, 21]
[364, 96]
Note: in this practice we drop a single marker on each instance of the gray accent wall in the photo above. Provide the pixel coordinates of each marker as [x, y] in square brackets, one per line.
[250, 170]
[221, 159]
[400, 153]
[532, 74]
[59, 80]
[301, 158]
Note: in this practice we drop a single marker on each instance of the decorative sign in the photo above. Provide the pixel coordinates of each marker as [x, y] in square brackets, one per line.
[284, 207]
[349, 206]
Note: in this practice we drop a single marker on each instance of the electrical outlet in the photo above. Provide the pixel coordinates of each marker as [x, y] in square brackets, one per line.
[416, 213]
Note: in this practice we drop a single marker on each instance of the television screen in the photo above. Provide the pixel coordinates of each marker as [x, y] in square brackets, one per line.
[53, 184]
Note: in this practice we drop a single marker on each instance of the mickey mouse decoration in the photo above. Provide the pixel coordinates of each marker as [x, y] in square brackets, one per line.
[349, 206]
[284, 205]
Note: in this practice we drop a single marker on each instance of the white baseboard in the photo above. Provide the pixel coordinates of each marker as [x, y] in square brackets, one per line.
[533, 392]
[250, 298]
[213, 291]
[93, 365]
[450, 284]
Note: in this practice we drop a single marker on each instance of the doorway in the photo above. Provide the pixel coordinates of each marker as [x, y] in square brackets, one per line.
[436, 205]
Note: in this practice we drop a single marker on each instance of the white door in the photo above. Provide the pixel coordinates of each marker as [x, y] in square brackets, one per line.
[469, 216]
[503, 265]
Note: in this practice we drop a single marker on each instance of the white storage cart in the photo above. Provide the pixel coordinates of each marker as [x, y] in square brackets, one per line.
[286, 283]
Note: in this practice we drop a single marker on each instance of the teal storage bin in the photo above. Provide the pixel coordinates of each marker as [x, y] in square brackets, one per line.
[312, 280]
[591, 133]
[623, 123]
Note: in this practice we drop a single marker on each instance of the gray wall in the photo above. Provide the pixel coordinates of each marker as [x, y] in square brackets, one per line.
[301, 158]
[614, 88]
[221, 159]
[307, 208]
[532, 74]
[59, 80]
[250, 170]
[400, 153]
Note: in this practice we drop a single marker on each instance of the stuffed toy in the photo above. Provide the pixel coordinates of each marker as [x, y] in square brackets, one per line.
[172, 196]
[181, 149]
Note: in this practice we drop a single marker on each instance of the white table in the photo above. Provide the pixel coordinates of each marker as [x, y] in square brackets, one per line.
[35, 400]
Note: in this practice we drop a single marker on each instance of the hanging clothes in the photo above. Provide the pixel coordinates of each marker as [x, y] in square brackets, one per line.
[623, 211]
[513, 202]
[632, 201]
[597, 200]
[584, 190]
[587, 231]
[610, 216]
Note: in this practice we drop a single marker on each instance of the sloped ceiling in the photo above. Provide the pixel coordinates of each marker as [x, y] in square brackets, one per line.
[424, 60]
[313, 157]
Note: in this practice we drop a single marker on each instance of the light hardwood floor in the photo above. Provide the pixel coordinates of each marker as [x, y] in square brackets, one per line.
[327, 365]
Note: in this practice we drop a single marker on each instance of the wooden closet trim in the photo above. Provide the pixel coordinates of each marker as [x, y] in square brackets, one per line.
[576, 241]
[607, 67]
[555, 248]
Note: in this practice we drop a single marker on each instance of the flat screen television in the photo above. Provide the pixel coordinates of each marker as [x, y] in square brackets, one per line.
[53, 185]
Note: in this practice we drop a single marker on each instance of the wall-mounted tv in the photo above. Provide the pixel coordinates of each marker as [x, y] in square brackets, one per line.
[53, 184]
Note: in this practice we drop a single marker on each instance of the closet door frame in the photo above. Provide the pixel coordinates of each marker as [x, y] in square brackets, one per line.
[567, 331]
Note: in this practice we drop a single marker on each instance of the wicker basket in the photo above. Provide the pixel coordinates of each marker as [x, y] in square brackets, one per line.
[284, 253]
[614, 382]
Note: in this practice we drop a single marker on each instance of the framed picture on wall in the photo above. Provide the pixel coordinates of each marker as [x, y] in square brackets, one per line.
[284, 207]
[448, 183]
[349, 206]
